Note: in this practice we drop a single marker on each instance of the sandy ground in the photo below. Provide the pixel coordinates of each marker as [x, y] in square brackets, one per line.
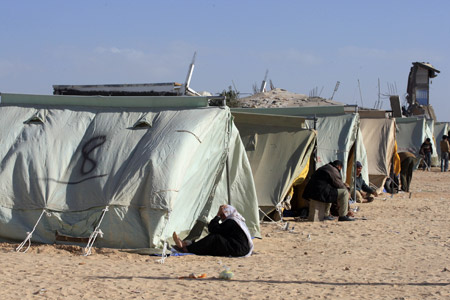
[402, 251]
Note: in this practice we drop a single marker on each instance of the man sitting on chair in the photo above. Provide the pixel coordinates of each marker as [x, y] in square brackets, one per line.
[326, 186]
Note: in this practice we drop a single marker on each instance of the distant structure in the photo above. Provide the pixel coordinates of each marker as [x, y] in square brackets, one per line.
[140, 89]
[144, 89]
[418, 90]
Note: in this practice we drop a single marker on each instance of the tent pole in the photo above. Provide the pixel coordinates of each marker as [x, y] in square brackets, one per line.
[356, 151]
[315, 145]
[228, 182]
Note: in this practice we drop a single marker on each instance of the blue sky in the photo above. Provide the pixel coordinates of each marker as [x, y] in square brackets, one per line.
[303, 44]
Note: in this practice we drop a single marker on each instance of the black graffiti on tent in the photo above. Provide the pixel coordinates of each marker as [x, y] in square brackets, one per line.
[89, 164]
[88, 147]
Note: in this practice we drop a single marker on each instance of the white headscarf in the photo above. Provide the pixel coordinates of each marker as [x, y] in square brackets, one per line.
[231, 213]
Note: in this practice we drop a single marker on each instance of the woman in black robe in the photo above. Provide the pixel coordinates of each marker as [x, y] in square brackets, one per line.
[228, 236]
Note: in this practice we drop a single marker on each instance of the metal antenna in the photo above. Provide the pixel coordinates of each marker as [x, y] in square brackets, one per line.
[314, 93]
[234, 86]
[335, 89]
[378, 103]
[255, 88]
[185, 87]
[263, 84]
[360, 94]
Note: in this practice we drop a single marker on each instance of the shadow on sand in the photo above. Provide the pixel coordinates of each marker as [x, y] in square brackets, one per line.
[283, 282]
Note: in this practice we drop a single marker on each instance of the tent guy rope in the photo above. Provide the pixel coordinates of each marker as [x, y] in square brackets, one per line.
[30, 234]
[97, 231]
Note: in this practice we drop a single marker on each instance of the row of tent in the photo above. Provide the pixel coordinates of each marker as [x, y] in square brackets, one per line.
[139, 168]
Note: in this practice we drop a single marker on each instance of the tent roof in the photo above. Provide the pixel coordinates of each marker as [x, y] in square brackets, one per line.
[295, 111]
[104, 101]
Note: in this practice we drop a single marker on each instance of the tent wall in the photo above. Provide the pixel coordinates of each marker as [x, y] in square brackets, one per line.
[157, 169]
[278, 148]
[242, 188]
[379, 138]
[412, 132]
[440, 129]
[336, 136]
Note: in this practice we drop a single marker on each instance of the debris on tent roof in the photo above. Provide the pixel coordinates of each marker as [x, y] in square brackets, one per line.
[282, 98]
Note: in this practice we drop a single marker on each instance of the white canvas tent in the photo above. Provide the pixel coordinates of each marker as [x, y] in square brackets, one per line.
[379, 139]
[412, 132]
[338, 134]
[157, 163]
[279, 150]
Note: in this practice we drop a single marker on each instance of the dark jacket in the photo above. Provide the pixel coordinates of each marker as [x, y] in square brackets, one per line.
[445, 147]
[324, 183]
[426, 148]
[361, 185]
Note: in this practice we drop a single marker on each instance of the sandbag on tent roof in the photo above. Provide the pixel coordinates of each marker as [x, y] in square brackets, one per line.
[411, 133]
[379, 138]
[157, 163]
[440, 129]
[279, 149]
[337, 134]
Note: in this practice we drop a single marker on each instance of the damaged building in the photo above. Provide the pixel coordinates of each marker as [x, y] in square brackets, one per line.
[418, 90]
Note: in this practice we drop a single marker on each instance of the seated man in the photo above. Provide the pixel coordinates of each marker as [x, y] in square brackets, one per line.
[363, 191]
[326, 185]
[230, 237]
